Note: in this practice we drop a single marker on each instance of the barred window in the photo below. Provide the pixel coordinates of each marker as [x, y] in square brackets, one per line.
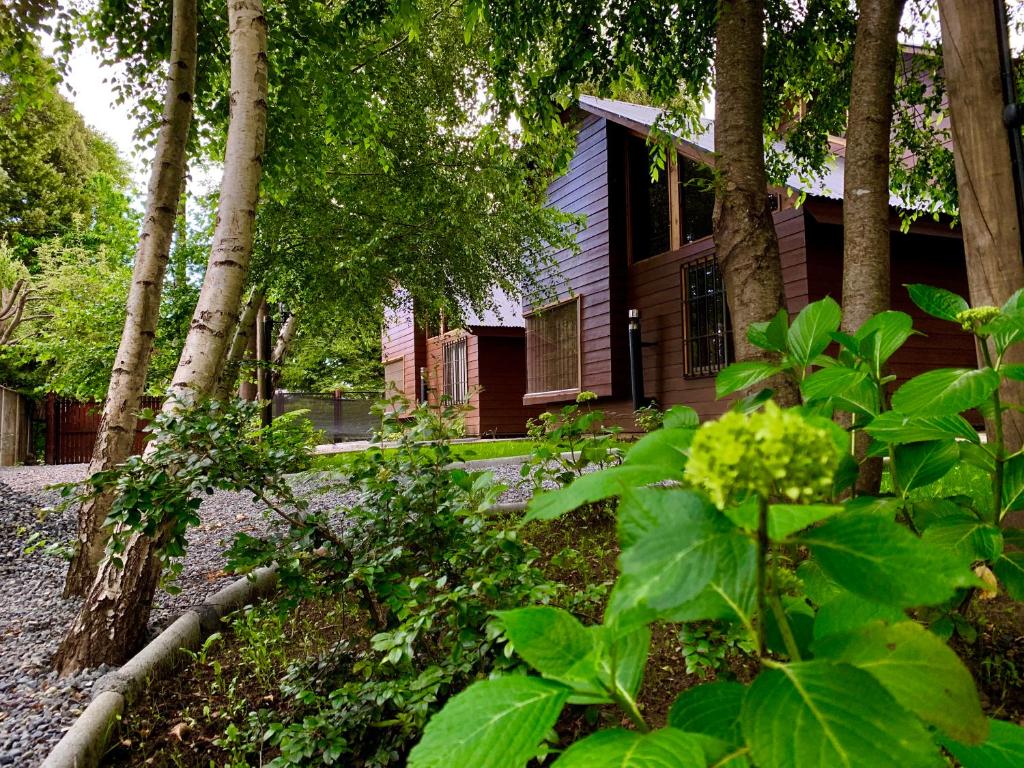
[456, 370]
[553, 348]
[707, 328]
[394, 376]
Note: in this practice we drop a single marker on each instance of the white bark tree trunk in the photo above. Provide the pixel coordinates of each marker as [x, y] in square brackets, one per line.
[239, 344]
[113, 619]
[116, 432]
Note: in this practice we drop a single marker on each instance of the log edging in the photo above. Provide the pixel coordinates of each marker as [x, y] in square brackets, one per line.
[85, 743]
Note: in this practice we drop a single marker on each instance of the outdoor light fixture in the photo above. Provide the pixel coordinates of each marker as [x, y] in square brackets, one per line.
[636, 360]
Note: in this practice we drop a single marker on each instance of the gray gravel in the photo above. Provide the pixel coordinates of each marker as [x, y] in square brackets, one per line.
[37, 707]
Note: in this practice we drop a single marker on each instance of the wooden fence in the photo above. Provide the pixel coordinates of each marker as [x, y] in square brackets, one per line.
[15, 428]
[71, 428]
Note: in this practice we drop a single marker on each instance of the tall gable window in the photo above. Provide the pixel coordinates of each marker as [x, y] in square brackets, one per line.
[456, 370]
[553, 348]
[666, 213]
[697, 199]
[707, 329]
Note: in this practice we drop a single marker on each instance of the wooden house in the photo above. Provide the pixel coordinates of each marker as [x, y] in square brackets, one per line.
[481, 363]
[647, 246]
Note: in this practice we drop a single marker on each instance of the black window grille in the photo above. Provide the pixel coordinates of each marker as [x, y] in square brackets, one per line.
[707, 328]
[456, 370]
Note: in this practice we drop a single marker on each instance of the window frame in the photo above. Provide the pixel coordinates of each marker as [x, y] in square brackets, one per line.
[673, 172]
[551, 395]
[449, 343]
[690, 371]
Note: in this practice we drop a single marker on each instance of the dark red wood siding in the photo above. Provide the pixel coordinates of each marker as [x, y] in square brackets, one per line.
[404, 339]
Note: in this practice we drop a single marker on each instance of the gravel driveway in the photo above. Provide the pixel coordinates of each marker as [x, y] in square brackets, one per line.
[37, 707]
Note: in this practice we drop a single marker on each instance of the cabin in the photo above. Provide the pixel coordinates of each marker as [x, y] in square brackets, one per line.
[480, 363]
[646, 249]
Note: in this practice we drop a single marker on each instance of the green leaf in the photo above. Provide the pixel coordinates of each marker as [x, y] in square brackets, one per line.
[1004, 748]
[818, 587]
[492, 724]
[1013, 371]
[880, 560]
[1013, 484]
[894, 427]
[946, 391]
[882, 335]
[860, 398]
[681, 417]
[970, 538]
[596, 486]
[937, 302]
[730, 593]
[809, 334]
[619, 748]
[783, 519]
[770, 336]
[1009, 569]
[847, 611]
[743, 375]
[918, 464]
[666, 447]
[712, 709]
[643, 510]
[817, 713]
[830, 381]
[624, 655]
[674, 557]
[553, 642]
[920, 671]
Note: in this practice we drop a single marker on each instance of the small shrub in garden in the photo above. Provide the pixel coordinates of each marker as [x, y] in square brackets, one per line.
[428, 564]
[576, 430]
[711, 521]
[648, 418]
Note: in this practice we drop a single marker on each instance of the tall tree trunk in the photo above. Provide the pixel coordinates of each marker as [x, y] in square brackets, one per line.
[866, 280]
[116, 432]
[285, 337]
[745, 241]
[239, 345]
[113, 619]
[263, 351]
[984, 174]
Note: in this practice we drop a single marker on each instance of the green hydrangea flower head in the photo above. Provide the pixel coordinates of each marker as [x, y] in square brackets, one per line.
[585, 397]
[774, 454]
[973, 318]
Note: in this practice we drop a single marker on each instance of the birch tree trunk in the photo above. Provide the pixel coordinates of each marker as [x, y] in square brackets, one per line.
[866, 273]
[285, 337]
[113, 619]
[116, 432]
[746, 245]
[984, 174]
[239, 345]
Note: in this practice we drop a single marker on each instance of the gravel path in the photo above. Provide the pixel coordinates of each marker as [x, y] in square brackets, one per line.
[36, 706]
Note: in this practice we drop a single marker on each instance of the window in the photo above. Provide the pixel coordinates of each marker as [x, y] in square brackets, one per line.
[697, 199]
[553, 348]
[456, 370]
[707, 329]
[649, 205]
[394, 376]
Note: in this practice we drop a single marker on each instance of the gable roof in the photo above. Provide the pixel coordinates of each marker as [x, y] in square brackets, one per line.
[829, 184]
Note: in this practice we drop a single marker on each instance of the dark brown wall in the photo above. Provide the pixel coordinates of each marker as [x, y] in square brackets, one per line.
[584, 189]
[402, 338]
[934, 256]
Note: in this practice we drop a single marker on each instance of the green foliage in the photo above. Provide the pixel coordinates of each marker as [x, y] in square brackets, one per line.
[846, 678]
[195, 448]
[569, 444]
[427, 564]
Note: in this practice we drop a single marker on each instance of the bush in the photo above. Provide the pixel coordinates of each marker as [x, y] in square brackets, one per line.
[710, 520]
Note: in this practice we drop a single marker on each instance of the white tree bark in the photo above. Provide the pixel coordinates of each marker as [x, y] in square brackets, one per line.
[239, 344]
[113, 619]
[116, 432]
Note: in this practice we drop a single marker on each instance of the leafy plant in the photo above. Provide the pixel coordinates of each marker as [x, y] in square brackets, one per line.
[648, 418]
[707, 520]
[570, 443]
[427, 564]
